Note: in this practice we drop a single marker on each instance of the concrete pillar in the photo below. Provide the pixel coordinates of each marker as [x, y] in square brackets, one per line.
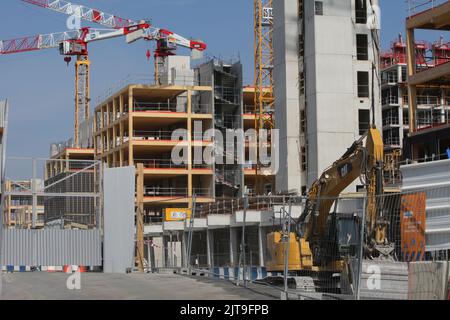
[262, 244]
[158, 250]
[165, 253]
[184, 254]
[234, 259]
[210, 247]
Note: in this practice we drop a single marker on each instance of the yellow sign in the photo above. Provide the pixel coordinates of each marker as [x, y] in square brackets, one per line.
[177, 214]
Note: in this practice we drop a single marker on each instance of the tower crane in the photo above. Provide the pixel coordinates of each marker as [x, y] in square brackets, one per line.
[166, 40]
[75, 43]
[70, 43]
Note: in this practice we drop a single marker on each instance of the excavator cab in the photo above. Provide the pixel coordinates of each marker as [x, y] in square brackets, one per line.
[348, 228]
[342, 240]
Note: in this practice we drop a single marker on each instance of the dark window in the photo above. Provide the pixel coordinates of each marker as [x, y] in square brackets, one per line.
[304, 190]
[361, 11]
[362, 51]
[363, 84]
[319, 8]
[304, 164]
[364, 121]
[302, 121]
[302, 83]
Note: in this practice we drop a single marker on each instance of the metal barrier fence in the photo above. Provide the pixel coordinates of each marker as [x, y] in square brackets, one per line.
[52, 192]
[362, 249]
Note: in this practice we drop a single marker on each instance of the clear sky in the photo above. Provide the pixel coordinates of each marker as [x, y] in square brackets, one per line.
[40, 86]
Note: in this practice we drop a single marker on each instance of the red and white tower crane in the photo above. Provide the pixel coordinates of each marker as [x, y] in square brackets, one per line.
[75, 43]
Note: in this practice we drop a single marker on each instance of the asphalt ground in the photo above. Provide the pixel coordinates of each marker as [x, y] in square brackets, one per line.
[134, 286]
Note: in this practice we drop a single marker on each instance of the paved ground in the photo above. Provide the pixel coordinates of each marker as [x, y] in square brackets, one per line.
[99, 286]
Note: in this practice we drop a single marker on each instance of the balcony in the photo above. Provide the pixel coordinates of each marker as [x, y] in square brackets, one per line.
[390, 78]
[389, 101]
[391, 121]
[392, 142]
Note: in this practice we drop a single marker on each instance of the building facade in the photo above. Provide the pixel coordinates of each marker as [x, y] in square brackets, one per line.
[432, 101]
[325, 84]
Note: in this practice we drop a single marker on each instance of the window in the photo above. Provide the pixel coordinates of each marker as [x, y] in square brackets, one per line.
[304, 165]
[302, 121]
[304, 190]
[268, 189]
[361, 11]
[319, 8]
[302, 83]
[363, 84]
[362, 51]
[363, 121]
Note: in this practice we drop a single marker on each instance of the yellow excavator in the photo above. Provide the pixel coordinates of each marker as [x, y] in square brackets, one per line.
[324, 240]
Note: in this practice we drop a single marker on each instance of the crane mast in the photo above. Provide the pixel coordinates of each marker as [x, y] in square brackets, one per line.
[263, 55]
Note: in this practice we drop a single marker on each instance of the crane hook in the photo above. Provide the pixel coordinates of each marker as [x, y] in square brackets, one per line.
[67, 60]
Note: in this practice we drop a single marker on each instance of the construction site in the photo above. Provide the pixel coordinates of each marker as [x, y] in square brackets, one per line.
[323, 173]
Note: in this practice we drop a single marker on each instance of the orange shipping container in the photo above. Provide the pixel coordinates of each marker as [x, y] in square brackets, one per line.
[412, 223]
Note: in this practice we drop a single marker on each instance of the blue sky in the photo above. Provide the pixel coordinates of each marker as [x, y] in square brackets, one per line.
[40, 85]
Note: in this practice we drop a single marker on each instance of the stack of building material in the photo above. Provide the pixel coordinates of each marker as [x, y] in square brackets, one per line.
[385, 280]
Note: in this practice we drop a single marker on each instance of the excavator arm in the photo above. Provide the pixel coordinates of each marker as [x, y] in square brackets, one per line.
[360, 161]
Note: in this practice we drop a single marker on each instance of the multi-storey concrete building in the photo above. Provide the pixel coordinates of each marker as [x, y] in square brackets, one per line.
[326, 67]
[18, 209]
[432, 101]
[141, 124]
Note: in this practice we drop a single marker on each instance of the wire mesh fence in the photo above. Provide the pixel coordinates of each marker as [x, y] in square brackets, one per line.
[361, 248]
[58, 193]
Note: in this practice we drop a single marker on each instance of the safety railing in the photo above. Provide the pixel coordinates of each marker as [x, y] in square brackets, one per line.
[389, 100]
[140, 106]
[160, 164]
[393, 121]
[428, 100]
[426, 158]
[391, 78]
[156, 191]
[154, 135]
[392, 141]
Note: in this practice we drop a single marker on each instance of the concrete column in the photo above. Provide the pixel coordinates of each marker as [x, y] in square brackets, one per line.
[158, 252]
[165, 252]
[184, 243]
[210, 247]
[262, 244]
[234, 259]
